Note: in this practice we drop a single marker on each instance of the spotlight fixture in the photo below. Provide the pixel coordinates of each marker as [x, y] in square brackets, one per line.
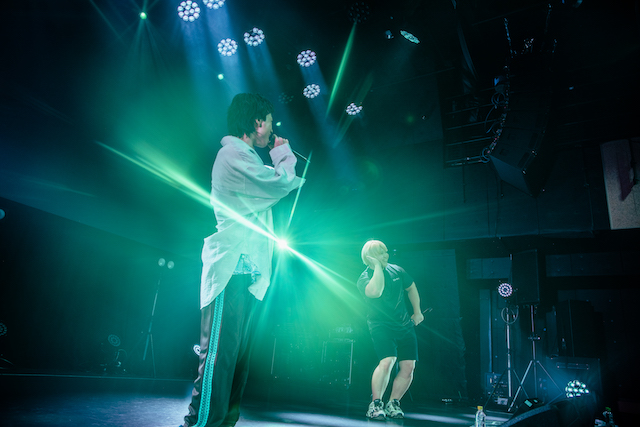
[114, 340]
[143, 15]
[505, 290]
[576, 388]
[407, 35]
[213, 4]
[189, 11]
[306, 58]
[359, 11]
[311, 91]
[388, 34]
[254, 37]
[353, 109]
[162, 262]
[285, 98]
[227, 47]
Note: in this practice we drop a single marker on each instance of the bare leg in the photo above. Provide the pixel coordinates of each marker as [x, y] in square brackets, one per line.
[403, 379]
[380, 377]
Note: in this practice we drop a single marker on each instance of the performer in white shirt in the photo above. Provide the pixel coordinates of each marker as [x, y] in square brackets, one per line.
[237, 257]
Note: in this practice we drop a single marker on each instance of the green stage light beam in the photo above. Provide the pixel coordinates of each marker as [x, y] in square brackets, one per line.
[343, 65]
[180, 182]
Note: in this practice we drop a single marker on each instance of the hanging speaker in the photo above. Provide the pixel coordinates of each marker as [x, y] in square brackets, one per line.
[520, 157]
[526, 270]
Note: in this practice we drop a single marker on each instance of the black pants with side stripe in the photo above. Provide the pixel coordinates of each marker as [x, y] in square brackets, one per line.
[226, 335]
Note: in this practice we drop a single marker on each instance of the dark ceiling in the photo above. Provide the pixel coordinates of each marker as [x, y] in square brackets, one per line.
[90, 93]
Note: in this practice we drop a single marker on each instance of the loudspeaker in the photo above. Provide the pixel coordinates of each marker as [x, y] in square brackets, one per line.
[577, 329]
[526, 271]
[547, 416]
[520, 156]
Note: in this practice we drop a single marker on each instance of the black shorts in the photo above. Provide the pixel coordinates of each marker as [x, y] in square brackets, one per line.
[393, 342]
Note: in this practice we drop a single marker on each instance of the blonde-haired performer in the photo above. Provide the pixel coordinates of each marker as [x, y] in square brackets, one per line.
[383, 287]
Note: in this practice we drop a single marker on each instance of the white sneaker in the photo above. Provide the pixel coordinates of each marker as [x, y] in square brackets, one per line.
[376, 410]
[392, 410]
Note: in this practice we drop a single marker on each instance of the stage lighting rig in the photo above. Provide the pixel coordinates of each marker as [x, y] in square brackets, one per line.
[254, 37]
[189, 11]
[353, 109]
[311, 91]
[505, 290]
[306, 58]
[214, 4]
[227, 47]
[359, 12]
[576, 388]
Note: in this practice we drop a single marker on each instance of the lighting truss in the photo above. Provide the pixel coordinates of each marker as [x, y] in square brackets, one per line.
[227, 47]
[306, 58]
[407, 35]
[254, 37]
[353, 109]
[189, 11]
[213, 4]
[311, 91]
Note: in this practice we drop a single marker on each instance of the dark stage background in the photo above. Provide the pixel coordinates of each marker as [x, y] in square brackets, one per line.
[109, 126]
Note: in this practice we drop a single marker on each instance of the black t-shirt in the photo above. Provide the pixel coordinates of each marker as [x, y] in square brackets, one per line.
[390, 309]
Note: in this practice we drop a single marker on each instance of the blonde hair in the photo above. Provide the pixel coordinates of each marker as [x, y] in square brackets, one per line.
[372, 248]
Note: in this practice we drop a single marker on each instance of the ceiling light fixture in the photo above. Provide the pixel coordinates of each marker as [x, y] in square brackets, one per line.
[311, 91]
[189, 11]
[359, 11]
[407, 35]
[254, 37]
[353, 109]
[213, 4]
[505, 290]
[306, 58]
[285, 98]
[227, 47]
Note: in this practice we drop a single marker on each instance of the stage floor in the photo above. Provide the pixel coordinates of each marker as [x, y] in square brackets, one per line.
[69, 400]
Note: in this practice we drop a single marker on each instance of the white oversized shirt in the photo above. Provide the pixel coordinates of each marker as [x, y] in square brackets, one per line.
[243, 190]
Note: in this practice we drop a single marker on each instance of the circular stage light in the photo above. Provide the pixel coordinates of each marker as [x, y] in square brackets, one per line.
[353, 109]
[114, 340]
[306, 58]
[227, 47]
[576, 388]
[311, 91]
[214, 4]
[189, 11]
[505, 290]
[254, 37]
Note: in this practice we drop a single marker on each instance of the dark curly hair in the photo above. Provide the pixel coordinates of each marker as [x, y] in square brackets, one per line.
[243, 112]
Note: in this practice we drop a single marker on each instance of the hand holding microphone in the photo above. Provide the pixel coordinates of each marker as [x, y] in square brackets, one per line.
[276, 141]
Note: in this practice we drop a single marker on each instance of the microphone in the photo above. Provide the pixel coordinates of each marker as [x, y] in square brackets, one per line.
[272, 140]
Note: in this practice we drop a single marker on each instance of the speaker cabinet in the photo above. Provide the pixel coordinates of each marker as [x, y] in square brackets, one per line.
[577, 330]
[526, 273]
[520, 157]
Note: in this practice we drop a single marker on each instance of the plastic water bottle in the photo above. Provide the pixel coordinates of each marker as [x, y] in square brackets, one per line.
[480, 417]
